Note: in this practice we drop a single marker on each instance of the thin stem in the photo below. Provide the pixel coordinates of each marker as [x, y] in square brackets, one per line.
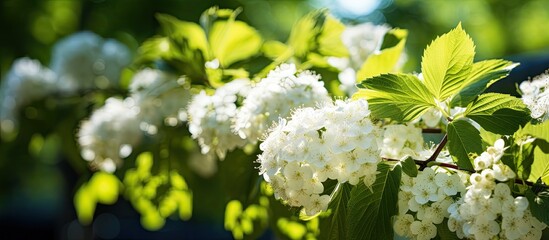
[424, 163]
[431, 130]
[438, 149]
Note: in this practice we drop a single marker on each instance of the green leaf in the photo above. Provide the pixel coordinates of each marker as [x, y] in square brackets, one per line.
[409, 167]
[212, 14]
[401, 97]
[273, 49]
[335, 225]
[463, 138]
[187, 47]
[232, 41]
[370, 211]
[84, 204]
[540, 166]
[498, 113]
[232, 212]
[178, 30]
[330, 43]
[447, 62]
[105, 186]
[153, 49]
[539, 203]
[305, 32]
[483, 74]
[386, 60]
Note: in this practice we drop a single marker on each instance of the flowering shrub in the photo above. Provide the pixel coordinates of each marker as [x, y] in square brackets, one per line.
[422, 156]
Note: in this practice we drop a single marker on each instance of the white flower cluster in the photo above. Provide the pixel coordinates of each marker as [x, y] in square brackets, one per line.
[423, 202]
[400, 141]
[162, 98]
[80, 61]
[336, 141]
[26, 81]
[211, 118]
[114, 129]
[275, 96]
[536, 96]
[488, 209]
[85, 60]
[110, 133]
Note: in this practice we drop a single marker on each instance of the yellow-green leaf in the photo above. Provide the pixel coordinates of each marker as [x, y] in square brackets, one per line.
[105, 186]
[401, 97]
[498, 113]
[330, 43]
[483, 74]
[305, 31]
[191, 32]
[84, 203]
[540, 166]
[273, 49]
[386, 60]
[232, 41]
[447, 62]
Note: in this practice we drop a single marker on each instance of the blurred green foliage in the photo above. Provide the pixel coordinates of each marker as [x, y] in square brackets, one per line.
[499, 27]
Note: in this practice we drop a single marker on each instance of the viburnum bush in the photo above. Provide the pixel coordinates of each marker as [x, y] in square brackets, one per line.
[321, 136]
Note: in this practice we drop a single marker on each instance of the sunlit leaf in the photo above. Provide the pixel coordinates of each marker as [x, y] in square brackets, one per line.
[386, 60]
[84, 204]
[401, 97]
[232, 41]
[293, 230]
[447, 62]
[463, 138]
[232, 212]
[273, 49]
[305, 31]
[185, 202]
[370, 211]
[191, 32]
[540, 166]
[152, 221]
[330, 43]
[335, 225]
[498, 113]
[105, 187]
[483, 74]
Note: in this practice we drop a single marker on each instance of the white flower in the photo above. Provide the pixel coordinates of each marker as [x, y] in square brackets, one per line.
[400, 141]
[301, 153]
[484, 229]
[402, 225]
[110, 133]
[450, 184]
[26, 81]
[162, 99]
[423, 229]
[85, 60]
[211, 118]
[425, 195]
[536, 97]
[431, 117]
[275, 97]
